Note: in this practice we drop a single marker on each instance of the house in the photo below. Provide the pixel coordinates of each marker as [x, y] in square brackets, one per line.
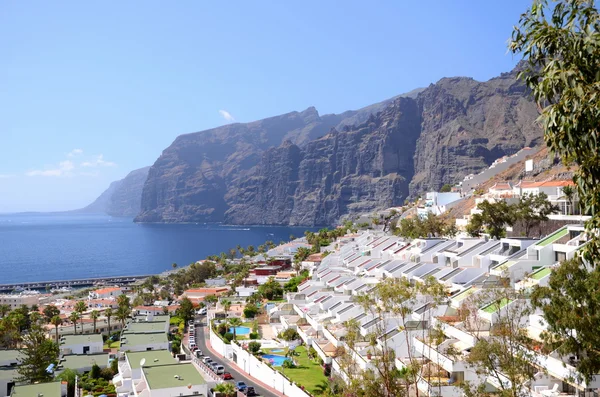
[201, 293]
[83, 362]
[437, 203]
[103, 293]
[8, 375]
[81, 344]
[171, 380]
[155, 310]
[51, 389]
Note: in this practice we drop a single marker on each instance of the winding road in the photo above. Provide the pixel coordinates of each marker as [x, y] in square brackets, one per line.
[231, 368]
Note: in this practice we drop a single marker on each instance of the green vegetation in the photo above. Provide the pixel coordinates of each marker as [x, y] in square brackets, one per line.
[416, 227]
[292, 285]
[306, 372]
[541, 273]
[553, 237]
[289, 334]
[271, 289]
[494, 307]
[37, 353]
[446, 188]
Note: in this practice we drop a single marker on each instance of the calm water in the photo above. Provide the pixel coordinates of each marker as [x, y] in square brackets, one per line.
[40, 247]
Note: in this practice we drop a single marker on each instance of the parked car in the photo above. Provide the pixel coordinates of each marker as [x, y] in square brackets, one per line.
[219, 369]
[240, 386]
[227, 376]
[249, 391]
[202, 311]
[198, 353]
[207, 360]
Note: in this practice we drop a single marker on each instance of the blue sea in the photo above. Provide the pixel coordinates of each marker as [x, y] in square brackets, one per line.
[45, 247]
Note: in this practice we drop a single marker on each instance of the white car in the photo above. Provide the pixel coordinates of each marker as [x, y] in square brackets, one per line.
[202, 311]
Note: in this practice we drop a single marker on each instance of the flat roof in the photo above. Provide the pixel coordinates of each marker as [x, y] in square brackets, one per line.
[142, 339]
[76, 361]
[9, 355]
[51, 389]
[82, 339]
[161, 318]
[163, 376]
[153, 358]
[8, 373]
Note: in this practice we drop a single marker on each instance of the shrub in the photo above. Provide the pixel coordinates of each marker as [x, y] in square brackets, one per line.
[95, 372]
[254, 335]
[114, 365]
[176, 347]
[327, 370]
[288, 364]
[254, 347]
[228, 337]
[107, 374]
[222, 329]
[250, 311]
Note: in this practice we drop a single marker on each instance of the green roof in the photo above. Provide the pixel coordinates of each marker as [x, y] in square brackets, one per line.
[163, 377]
[52, 389]
[464, 294]
[8, 373]
[140, 327]
[494, 307]
[153, 358]
[77, 361]
[540, 274]
[9, 355]
[82, 339]
[553, 237]
[505, 265]
[155, 319]
[142, 339]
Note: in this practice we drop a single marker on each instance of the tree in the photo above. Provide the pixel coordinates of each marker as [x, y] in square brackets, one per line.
[37, 353]
[57, 322]
[226, 305]
[561, 50]
[532, 209]
[108, 313]
[4, 310]
[186, 309]
[494, 218]
[569, 194]
[69, 375]
[211, 299]
[94, 316]
[504, 351]
[226, 389]
[122, 314]
[74, 317]
[254, 347]
[250, 310]
[174, 265]
[80, 307]
[49, 312]
[271, 289]
[446, 188]
[234, 322]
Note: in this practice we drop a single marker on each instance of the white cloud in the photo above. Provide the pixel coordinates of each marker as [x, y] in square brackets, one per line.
[6, 176]
[64, 168]
[75, 152]
[226, 115]
[98, 162]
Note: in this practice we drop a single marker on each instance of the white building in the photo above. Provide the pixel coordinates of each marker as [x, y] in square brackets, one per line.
[104, 293]
[15, 301]
[437, 203]
[81, 344]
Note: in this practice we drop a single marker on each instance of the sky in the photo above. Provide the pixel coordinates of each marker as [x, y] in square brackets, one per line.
[92, 90]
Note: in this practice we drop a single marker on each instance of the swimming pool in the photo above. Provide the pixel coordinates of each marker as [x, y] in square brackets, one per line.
[274, 359]
[277, 350]
[240, 330]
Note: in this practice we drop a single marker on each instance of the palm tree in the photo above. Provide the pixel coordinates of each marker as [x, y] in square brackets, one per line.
[74, 317]
[122, 314]
[234, 322]
[80, 307]
[226, 306]
[569, 194]
[321, 388]
[56, 321]
[108, 313]
[94, 315]
[4, 310]
[226, 389]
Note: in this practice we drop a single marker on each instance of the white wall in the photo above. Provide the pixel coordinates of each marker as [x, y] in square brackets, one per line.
[78, 349]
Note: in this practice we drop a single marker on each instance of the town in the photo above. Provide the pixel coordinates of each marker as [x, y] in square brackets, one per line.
[315, 315]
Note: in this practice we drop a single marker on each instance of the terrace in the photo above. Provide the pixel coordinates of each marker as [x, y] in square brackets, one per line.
[554, 237]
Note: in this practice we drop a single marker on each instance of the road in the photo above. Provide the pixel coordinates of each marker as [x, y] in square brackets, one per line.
[232, 369]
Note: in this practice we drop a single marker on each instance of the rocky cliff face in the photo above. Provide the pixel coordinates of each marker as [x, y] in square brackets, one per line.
[306, 169]
[122, 198]
[343, 172]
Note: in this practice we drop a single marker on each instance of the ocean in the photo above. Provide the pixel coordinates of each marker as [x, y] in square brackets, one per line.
[45, 247]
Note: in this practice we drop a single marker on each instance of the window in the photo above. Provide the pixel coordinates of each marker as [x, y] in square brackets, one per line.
[560, 256]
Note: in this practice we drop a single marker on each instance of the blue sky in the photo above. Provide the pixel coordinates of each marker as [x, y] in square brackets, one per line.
[92, 90]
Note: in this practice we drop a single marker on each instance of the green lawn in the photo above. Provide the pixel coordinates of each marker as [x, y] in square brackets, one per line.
[308, 373]
[543, 272]
[553, 237]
